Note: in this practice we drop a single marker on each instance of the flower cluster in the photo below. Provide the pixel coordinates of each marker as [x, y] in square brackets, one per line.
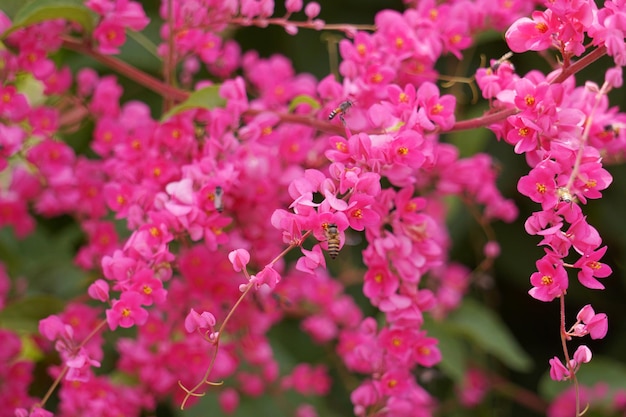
[175, 210]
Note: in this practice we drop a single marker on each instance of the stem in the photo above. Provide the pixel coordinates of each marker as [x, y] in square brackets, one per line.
[59, 378]
[518, 394]
[579, 65]
[127, 70]
[220, 331]
[290, 247]
[503, 114]
[585, 136]
[303, 120]
[572, 371]
[169, 66]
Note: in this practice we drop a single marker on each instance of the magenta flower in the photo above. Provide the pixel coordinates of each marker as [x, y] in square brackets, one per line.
[540, 185]
[531, 34]
[204, 322]
[425, 350]
[558, 371]
[311, 260]
[148, 286]
[550, 281]
[239, 258]
[596, 325]
[591, 268]
[99, 290]
[127, 311]
[267, 275]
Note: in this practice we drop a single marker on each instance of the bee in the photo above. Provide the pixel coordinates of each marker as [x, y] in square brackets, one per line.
[564, 195]
[332, 237]
[340, 111]
[494, 67]
[219, 204]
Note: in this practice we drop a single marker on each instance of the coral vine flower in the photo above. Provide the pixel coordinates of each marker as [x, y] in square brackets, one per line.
[127, 311]
[596, 325]
[531, 34]
[540, 184]
[591, 268]
[239, 258]
[550, 281]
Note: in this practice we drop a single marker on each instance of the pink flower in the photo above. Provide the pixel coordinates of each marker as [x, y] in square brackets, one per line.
[110, 35]
[312, 9]
[99, 290]
[558, 371]
[379, 283]
[540, 184]
[531, 34]
[591, 268]
[308, 380]
[268, 275]
[239, 258]
[228, 400]
[440, 109]
[425, 351]
[311, 260]
[596, 325]
[398, 342]
[204, 322]
[126, 312]
[550, 281]
[473, 388]
[320, 327]
[582, 355]
[359, 212]
[148, 286]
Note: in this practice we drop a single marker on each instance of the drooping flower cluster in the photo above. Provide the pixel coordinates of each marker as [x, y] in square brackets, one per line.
[209, 191]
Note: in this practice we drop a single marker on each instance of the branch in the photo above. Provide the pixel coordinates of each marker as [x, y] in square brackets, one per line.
[127, 70]
[503, 114]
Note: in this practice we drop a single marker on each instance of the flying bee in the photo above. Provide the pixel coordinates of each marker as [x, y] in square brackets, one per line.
[332, 237]
[505, 58]
[219, 204]
[340, 111]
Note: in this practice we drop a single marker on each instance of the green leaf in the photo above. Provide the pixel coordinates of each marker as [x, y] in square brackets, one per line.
[454, 353]
[483, 327]
[24, 315]
[304, 99]
[41, 10]
[206, 98]
[600, 370]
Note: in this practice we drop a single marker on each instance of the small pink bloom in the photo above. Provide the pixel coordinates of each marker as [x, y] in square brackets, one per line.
[473, 388]
[426, 352]
[127, 311]
[110, 36]
[591, 268]
[614, 77]
[558, 371]
[99, 290]
[550, 281]
[582, 354]
[148, 286]
[228, 400]
[201, 322]
[312, 10]
[293, 6]
[492, 249]
[311, 260]
[531, 34]
[239, 258]
[267, 275]
[596, 325]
